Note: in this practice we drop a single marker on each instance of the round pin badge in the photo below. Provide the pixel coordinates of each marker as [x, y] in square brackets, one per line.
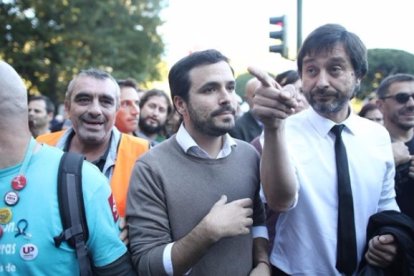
[28, 252]
[11, 198]
[19, 182]
[1, 232]
[5, 215]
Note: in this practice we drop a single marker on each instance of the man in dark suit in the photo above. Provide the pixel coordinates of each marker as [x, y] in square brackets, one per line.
[247, 126]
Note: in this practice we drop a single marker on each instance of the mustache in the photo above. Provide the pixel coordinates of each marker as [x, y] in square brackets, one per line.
[323, 92]
[223, 109]
[93, 119]
[407, 110]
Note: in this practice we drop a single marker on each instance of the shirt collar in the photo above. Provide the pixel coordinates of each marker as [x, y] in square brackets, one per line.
[323, 125]
[110, 154]
[190, 146]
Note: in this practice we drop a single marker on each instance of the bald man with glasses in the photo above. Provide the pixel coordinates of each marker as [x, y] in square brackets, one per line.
[396, 102]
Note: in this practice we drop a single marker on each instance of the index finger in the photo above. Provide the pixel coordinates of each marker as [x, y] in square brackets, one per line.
[263, 77]
[244, 202]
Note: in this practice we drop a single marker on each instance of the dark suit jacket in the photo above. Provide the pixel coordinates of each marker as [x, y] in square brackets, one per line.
[401, 227]
[246, 128]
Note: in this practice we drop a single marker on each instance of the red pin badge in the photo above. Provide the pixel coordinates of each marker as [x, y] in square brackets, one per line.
[19, 182]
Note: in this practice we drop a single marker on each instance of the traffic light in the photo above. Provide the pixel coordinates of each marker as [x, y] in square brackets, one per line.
[279, 34]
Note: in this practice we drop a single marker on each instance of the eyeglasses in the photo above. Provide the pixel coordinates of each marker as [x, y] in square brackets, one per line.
[401, 98]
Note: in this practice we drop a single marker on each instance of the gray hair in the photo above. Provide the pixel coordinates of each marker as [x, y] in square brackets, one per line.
[96, 74]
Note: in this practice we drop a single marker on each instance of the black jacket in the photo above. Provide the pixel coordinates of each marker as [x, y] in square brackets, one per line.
[246, 128]
[402, 228]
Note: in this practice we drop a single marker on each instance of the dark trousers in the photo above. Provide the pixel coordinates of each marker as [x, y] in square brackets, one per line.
[277, 272]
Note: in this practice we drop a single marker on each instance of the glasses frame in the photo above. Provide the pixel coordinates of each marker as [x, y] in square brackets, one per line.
[401, 97]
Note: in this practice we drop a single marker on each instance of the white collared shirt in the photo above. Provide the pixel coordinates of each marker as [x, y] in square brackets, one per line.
[190, 146]
[311, 226]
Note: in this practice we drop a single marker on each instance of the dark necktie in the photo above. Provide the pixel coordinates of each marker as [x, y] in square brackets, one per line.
[346, 257]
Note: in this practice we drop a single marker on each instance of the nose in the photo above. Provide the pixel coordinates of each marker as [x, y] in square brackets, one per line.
[135, 109]
[322, 82]
[226, 97]
[410, 101]
[95, 108]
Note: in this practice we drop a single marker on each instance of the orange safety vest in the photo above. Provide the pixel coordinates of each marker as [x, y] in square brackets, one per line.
[129, 150]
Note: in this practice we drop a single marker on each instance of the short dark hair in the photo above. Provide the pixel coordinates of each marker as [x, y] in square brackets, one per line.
[287, 77]
[385, 84]
[367, 108]
[326, 37]
[127, 83]
[50, 107]
[156, 92]
[178, 77]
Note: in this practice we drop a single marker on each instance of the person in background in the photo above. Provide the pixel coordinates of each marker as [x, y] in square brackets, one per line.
[193, 202]
[247, 127]
[127, 115]
[41, 113]
[30, 216]
[173, 123]
[396, 102]
[91, 102]
[301, 153]
[239, 108]
[372, 112]
[155, 108]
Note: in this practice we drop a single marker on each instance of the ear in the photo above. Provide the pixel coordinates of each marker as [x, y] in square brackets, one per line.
[358, 82]
[50, 116]
[67, 107]
[180, 105]
[380, 104]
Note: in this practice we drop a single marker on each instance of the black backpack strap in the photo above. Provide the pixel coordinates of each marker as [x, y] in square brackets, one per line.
[72, 209]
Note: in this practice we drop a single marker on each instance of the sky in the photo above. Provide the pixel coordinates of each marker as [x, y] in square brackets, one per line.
[240, 28]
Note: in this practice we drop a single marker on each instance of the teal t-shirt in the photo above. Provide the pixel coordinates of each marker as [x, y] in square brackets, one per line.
[34, 251]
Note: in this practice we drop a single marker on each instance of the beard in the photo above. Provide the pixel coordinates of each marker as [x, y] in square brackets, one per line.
[339, 101]
[208, 125]
[399, 120]
[147, 128]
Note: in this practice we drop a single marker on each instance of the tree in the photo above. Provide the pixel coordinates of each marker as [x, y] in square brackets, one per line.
[382, 63]
[47, 42]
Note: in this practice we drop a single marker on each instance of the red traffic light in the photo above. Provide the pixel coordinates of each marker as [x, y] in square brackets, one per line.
[279, 34]
[277, 20]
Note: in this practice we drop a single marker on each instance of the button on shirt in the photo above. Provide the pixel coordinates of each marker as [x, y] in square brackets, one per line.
[190, 147]
[311, 225]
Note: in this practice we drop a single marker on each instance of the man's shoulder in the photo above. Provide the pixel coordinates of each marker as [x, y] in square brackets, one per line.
[245, 148]
[134, 144]
[134, 139]
[162, 150]
[50, 138]
[367, 128]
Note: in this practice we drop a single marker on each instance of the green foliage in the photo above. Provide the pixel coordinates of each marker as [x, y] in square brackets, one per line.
[382, 63]
[47, 42]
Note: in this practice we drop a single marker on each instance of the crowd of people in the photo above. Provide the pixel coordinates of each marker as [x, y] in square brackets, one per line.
[175, 185]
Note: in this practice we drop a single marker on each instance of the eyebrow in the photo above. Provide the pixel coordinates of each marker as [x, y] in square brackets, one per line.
[216, 83]
[337, 60]
[82, 94]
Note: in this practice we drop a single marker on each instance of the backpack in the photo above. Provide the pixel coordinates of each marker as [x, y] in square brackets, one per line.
[72, 209]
